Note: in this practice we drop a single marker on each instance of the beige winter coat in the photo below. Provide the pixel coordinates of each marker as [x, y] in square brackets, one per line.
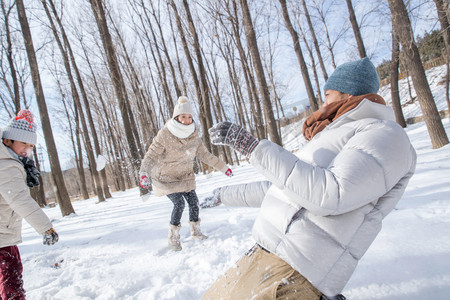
[15, 202]
[169, 162]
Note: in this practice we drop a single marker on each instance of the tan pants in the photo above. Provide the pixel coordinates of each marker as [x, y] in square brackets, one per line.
[261, 275]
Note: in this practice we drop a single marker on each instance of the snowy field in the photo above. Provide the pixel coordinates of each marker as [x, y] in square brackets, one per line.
[118, 249]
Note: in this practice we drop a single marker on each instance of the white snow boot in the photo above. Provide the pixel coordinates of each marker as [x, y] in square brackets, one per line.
[174, 237]
[195, 231]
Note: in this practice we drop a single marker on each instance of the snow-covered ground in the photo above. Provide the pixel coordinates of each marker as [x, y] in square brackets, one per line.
[118, 249]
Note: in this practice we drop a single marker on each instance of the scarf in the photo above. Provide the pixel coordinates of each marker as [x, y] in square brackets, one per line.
[31, 170]
[180, 130]
[29, 167]
[321, 118]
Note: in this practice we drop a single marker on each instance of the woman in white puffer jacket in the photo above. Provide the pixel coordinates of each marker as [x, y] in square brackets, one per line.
[323, 207]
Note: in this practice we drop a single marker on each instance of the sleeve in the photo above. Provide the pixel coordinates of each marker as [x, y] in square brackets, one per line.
[367, 167]
[17, 194]
[211, 160]
[156, 149]
[249, 194]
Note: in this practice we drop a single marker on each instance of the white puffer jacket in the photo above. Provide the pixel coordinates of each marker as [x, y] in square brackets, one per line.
[15, 201]
[325, 206]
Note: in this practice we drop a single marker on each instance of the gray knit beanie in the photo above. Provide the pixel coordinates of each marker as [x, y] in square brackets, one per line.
[356, 78]
[21, 128]
[183, 107]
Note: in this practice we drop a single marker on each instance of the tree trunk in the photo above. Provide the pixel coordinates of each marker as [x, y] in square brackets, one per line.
[117, 80]
[313, 67]
[165, 50]
[321, 11]
[61, 190]
[159, 62]
[356, 30]
[300, 58]
[204, 101]
[103, 182]
[316, 43]
[76, 146]
[9, 56]
[445, 27]
[395, 96]
[76, 98]
[253, 47]
[199, 86]
[255, 109]
[38, 192]
[431, 116]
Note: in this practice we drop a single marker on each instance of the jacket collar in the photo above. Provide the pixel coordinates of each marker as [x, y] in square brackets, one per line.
[365, 109]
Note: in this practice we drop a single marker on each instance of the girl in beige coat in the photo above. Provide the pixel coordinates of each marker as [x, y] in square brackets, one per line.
[168, 166]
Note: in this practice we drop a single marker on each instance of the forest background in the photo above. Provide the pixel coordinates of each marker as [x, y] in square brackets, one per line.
[102, 77]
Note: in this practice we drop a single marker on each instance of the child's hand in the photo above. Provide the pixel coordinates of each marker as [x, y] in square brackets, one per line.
[145, 181]
[50, 237]
[235, 136]
[229, 173]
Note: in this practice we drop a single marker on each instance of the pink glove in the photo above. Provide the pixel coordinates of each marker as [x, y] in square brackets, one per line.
[229, 173]
[145, 182]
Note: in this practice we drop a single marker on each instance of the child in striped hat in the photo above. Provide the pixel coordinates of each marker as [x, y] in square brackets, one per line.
[17, 174]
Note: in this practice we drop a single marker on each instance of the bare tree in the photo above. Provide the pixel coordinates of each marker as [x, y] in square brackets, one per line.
[86, 101]
[76, 98]
[204, 101]
[402, 26]
[255, 107]
[316, 43]
[9, 55]
[263, 88]
[298, 51]
[165, 50]
[61, 191]
[356, 30]
[323, 9]
[443, 16]
[118, 82]
[201, 87]
[313, 67]
[395, 96]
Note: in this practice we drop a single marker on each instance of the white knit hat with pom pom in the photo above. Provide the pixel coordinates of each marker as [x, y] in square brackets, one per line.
[21, 128]
[183, 107]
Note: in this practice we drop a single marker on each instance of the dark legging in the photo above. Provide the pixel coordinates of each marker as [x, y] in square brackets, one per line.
[178, 206]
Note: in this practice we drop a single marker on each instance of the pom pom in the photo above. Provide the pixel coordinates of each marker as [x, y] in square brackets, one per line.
[26, 115]
[182, 99]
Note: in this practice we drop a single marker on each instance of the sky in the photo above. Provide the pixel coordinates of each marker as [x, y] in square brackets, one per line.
[118, 249]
